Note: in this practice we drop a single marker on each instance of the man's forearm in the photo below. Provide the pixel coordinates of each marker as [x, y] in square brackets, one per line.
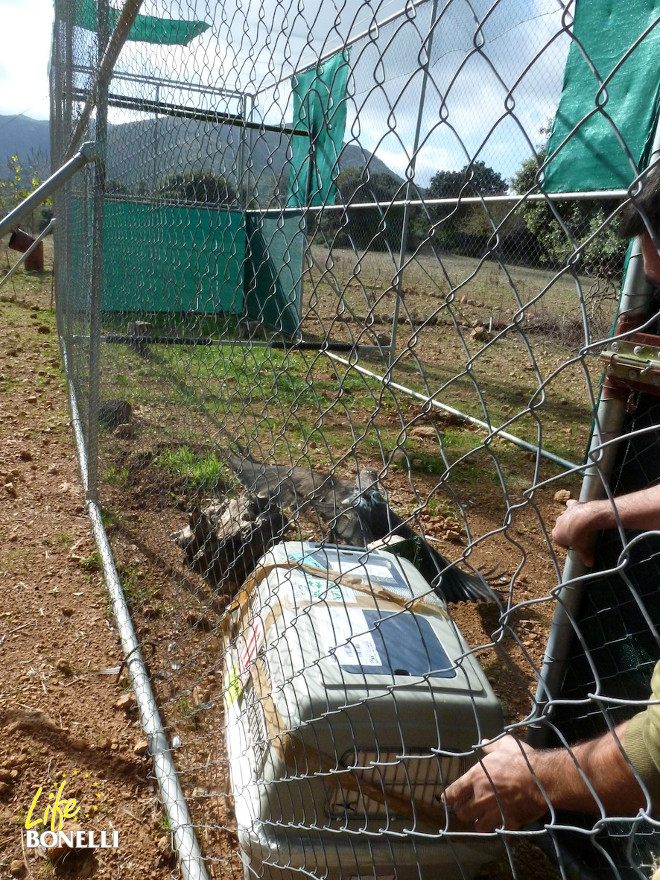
[636, 510]
[593, 776]
[578, 524]
[514, 784]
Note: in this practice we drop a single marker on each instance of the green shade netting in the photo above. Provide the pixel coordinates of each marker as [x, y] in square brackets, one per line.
[319, 107]
[173, 259]
[146, 29]
[274, 270]
[607, 33]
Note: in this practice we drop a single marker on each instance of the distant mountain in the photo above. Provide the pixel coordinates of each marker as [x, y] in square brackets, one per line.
[145, 152]
[24, 137]
[167, 145]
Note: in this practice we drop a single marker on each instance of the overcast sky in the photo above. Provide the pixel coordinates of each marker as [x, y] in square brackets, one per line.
[25, 27]
[515, 30]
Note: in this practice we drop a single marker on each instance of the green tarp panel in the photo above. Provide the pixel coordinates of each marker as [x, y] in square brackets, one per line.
[146, 29]
[274, 270]
[607, 33]
[319, 107]
[173, 259]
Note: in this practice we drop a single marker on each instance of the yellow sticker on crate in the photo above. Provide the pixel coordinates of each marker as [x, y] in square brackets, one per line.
[234, 687]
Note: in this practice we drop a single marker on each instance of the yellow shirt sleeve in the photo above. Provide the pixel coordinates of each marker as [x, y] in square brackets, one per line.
[642, 740]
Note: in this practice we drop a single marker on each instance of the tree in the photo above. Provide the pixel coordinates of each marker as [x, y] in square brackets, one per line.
[475, 179]
[21, 181]
[376, 228]
[602, 258]
[464, 228]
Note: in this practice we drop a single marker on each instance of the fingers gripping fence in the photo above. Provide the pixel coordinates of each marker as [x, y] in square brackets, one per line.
[334, 298]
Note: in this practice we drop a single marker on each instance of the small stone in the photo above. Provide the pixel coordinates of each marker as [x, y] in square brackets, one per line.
[562, 496]
[124, 431]
[56, 852]
[10, 488]
[200, 696]
[25, 455]
[64, 666]
[141, 748]
[17, 868]
[5, 788]
[164, 844]
[454, 536]
[126, 702]
[399, 457]
[424, 431]
[67, 611]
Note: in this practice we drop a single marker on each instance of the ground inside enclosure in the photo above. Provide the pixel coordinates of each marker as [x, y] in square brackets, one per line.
[64, 708]
[63, 714]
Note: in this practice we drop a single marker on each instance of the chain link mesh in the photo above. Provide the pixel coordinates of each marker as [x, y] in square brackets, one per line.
[398, 299]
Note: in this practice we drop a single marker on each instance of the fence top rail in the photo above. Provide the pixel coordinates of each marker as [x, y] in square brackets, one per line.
[513, 198]
[165, 82]
[372, 29]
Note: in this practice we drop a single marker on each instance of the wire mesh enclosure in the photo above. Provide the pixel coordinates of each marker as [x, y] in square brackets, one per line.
[332, 297]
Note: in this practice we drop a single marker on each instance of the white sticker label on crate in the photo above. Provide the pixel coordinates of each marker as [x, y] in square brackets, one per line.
[353, 643]
[307, 588]
[379, 572]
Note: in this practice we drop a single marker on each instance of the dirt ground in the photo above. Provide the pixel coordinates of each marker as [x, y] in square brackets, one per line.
[63, 705]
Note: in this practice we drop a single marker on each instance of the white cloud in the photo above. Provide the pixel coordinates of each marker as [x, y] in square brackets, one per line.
[25, 32]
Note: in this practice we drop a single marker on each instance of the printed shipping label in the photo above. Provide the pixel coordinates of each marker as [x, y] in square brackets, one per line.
[307, 588]
[350, 637]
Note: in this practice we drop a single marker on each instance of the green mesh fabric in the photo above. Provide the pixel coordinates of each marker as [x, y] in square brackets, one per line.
[186, 259]
[147, 28]
[273, 271]
[319, 107]
[610, 121]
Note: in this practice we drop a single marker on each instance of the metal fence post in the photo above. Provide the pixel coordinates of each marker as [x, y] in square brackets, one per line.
[608, 423]
[98, 202]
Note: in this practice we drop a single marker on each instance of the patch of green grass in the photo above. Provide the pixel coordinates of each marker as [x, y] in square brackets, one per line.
[61, 539]
[116, 476]
[13, 561]
[203, 472]
[92, 562]
[188, 712]
[109, 518]
[441, 507]
[136, 590]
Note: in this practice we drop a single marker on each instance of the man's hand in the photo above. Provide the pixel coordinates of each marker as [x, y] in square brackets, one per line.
[501, 790]
[574, 529]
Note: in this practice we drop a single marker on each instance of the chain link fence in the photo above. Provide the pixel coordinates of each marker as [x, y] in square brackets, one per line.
[332, 297]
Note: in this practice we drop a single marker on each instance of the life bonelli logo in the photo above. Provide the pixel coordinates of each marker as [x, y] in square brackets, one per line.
[55, 821]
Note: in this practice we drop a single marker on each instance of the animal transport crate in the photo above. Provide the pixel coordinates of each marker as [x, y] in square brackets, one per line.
[352, 700]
